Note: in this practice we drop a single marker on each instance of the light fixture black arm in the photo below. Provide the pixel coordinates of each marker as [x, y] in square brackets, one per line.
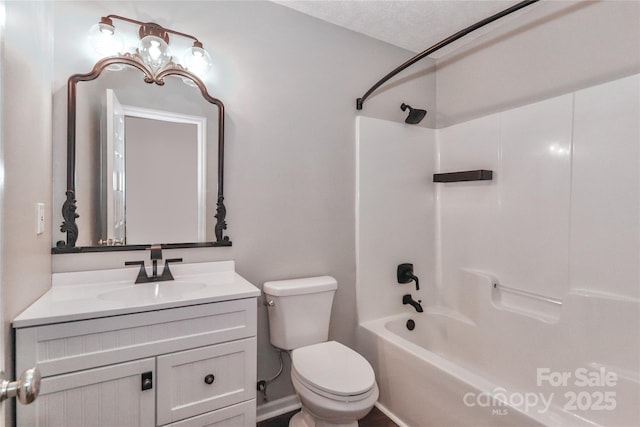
[440, 45]
[150, 28]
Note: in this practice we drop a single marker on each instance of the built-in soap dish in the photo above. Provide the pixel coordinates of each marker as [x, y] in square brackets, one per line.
[541, 307]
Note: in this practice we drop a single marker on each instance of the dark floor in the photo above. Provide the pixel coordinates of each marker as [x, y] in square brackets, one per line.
[375, 418]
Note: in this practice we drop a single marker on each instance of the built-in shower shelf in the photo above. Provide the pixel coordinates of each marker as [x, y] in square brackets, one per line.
[474, 175]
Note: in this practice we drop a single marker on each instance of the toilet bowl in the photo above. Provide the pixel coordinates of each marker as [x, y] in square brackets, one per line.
[335, 384]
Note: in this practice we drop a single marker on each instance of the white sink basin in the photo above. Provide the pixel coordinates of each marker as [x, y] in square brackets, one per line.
[151, 292]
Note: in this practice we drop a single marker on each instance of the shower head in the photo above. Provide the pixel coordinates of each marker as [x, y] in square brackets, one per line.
[415, 115]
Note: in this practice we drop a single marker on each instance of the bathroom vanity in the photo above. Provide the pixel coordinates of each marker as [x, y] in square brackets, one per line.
[111, 353]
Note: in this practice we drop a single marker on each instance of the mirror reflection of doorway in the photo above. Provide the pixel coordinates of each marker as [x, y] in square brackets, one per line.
[115, 175]
[156, 168]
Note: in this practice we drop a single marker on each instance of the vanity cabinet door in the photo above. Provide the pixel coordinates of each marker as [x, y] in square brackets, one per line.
[204, 379]
[109, 396]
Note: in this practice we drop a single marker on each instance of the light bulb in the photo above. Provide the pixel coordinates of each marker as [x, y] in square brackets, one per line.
[105, 40]
[154, 51]
[197, 60]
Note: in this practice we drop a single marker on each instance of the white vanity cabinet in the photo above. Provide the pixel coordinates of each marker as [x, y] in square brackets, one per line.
[189, 366]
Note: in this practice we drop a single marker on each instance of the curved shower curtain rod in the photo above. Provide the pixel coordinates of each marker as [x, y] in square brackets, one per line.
[442, 44]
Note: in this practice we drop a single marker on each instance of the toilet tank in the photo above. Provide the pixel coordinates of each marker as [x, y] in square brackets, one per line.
[299, 310]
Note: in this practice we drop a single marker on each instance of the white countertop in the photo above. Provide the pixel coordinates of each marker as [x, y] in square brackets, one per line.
[89, 294]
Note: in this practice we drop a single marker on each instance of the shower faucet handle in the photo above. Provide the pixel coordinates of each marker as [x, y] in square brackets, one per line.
[405, 275]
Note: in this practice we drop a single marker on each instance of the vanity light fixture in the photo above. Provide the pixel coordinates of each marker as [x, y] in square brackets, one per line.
[153, 49]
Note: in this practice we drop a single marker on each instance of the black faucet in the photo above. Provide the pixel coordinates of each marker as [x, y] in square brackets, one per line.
[407, 299]
[156, 254]
[405, 274]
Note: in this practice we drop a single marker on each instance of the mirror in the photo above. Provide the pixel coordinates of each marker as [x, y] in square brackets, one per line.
[154, 175]
[144, 160]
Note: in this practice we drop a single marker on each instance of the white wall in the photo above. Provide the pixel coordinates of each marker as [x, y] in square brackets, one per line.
[289, 83]
[556, 47]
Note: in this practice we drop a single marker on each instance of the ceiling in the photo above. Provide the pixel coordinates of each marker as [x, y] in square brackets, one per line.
[414, 25]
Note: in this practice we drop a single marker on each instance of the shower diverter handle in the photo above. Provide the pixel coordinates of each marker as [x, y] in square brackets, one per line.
[405, 275]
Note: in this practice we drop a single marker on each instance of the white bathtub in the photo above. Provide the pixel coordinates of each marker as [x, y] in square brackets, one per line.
[424, 388]
[490, 366]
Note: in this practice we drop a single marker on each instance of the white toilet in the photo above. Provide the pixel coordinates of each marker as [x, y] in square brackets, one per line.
[336, 385]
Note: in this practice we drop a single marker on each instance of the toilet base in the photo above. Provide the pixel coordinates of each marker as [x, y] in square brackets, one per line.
[320, 411]
[305, 419]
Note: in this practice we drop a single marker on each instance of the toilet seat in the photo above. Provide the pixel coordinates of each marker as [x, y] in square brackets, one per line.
[333, 370]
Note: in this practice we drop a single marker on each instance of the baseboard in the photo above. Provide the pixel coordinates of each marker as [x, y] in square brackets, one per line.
[277, 407]
[390, 415]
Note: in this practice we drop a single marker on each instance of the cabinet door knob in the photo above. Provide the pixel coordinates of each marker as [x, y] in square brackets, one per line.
[209, 379]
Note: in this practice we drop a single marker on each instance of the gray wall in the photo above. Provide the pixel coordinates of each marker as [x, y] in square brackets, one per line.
[26, 151]
[557, 47]
[289, 83]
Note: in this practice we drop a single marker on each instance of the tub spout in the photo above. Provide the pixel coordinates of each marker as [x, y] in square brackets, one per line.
[407, 299]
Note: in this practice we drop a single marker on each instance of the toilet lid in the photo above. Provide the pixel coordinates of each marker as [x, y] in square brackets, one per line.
[333, 368]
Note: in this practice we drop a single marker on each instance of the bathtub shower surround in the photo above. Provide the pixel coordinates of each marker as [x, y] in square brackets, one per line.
[536, 316]
[394, 214]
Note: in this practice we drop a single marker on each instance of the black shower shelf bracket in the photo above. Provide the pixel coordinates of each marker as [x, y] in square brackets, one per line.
[474, 175]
